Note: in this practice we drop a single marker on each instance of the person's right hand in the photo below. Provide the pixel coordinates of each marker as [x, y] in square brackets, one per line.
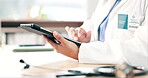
[78, 34]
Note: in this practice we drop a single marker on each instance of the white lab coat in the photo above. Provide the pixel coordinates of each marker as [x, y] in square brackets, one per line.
[120, 44]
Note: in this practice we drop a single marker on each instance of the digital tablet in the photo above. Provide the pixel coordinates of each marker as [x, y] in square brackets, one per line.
[41, 31]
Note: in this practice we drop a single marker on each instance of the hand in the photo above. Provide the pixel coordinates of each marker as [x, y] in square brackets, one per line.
[65, 47]
[78, 34]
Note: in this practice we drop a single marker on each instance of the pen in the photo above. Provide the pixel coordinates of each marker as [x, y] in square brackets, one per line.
[79, 74]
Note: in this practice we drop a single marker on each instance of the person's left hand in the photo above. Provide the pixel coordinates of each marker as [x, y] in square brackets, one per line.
[65, 47]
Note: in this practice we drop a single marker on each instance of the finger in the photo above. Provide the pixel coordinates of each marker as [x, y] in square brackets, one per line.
[81, 32]
[50, 41]
[68, 31]
[76, 38]
[71, 30]
[71, 33]
[61, 39]
[88, 35]
[77, 28]
[67, 28]
[76, 34]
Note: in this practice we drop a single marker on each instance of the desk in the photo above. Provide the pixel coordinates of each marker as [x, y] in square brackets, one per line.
[64, 65]
[10, 67]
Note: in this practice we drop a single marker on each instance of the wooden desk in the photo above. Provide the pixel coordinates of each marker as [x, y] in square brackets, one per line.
[63, 65]
[10, 66]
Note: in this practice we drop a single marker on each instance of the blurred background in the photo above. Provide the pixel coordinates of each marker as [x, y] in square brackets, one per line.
[57, 11]
[49, 14]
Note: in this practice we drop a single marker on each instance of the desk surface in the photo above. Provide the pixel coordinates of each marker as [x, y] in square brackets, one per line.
[64, 65]
[10, 67]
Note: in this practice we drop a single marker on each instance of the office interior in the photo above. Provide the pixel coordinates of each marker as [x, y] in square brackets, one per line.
[17, 44]
[14, 12]
[50, 14]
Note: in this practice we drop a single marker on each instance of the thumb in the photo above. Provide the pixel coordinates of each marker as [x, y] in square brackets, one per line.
[61, 39]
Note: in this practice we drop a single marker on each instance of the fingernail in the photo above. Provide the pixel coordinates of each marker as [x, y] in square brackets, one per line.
[66, 27]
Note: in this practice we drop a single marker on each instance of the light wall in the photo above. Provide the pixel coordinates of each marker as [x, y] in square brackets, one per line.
[14, 38]
[91, 5]
[78, 10]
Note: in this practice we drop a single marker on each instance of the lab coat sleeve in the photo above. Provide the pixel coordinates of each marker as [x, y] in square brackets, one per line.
[133, 51]
[97, 52]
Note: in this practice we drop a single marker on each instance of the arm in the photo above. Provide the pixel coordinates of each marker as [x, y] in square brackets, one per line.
[133, 51]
